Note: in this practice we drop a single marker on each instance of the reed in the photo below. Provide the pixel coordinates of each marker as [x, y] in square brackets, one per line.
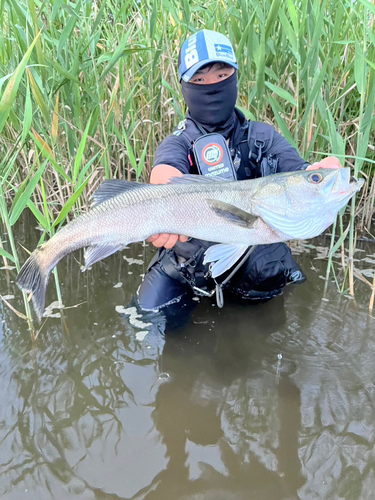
[88, 90]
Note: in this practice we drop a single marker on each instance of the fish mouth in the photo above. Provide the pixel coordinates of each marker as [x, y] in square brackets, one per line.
[355, 184]
[355, 180]
[344, 185]
[359, 182]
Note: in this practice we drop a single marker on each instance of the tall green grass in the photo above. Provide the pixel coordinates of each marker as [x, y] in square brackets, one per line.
[88, 90]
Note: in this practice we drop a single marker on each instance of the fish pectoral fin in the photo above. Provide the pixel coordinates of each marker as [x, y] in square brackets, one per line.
[222, 257]
[99, 252]
[111, 188]
[232, 214]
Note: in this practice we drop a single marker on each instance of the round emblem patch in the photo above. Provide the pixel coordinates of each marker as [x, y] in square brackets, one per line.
[212, 154]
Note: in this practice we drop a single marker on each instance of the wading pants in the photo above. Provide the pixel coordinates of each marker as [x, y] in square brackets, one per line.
[262, 276]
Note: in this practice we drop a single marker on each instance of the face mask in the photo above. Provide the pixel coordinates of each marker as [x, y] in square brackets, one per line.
[212, 106]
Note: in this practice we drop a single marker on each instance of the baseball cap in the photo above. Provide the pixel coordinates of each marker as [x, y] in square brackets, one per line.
[202, 48]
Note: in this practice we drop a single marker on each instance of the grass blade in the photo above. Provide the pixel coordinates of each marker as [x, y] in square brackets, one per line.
[55, 120]
[39, 97]
[28, 115]
[7, 255]
[22, 201]
[284, 94]
[11, 89]
[69, 204]
[81, 149]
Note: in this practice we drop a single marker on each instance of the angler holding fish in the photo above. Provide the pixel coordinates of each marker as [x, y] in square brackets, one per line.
[188, 215]
[215, 139]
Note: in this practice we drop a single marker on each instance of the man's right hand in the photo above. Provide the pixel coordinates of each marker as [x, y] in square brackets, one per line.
[166, 240]
[161, 175]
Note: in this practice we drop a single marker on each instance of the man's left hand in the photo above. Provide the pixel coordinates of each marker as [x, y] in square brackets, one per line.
[329, 162]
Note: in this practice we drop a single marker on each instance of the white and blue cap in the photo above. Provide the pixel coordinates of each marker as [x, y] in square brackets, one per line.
[203, 48]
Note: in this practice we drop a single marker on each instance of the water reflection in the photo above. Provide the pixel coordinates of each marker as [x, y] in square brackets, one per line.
[221, 423]
[271, 402]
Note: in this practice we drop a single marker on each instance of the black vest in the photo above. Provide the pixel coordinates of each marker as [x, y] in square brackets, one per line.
[248, 147]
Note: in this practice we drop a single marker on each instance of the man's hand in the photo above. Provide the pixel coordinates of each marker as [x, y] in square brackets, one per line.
[161, 175]
[329, 162]
[166, 240]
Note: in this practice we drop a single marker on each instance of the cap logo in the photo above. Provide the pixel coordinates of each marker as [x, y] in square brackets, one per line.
[191, 55]
[224, 50]
[212, 154]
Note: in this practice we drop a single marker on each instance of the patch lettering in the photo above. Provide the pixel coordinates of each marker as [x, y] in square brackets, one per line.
[224, 51]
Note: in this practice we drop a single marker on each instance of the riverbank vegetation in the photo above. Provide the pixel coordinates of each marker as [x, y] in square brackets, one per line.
[88, 90]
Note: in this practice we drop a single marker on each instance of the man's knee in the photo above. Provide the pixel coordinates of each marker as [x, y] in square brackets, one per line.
[158, 289]
[266, 272]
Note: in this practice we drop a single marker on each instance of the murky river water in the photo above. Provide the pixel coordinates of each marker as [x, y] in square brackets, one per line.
[275, 401]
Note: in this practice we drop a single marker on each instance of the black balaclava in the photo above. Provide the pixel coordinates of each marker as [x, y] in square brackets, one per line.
[212, 106]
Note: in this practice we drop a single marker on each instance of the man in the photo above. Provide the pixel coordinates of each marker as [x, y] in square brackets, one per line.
[208, 75]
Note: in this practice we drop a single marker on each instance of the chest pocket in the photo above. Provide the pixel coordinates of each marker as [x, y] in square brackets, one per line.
[212, 157]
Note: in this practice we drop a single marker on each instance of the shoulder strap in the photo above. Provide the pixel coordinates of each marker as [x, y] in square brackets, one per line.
[189, 130]
[259, 139]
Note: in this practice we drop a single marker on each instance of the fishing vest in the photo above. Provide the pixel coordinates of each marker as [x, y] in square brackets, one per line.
[210, 156]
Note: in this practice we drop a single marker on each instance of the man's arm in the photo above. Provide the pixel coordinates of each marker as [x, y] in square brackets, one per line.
[161, 174]
[290, 160]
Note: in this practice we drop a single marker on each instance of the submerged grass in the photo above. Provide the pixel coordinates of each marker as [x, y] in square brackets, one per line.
[89, 89]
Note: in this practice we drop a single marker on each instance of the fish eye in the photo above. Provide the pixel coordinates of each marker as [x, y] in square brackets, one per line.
[315, 178]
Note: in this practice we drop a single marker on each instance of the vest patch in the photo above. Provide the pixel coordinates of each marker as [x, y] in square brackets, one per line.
[212, 154]
[212, 157]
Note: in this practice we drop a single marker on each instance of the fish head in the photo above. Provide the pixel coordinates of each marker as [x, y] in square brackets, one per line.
[303, 204]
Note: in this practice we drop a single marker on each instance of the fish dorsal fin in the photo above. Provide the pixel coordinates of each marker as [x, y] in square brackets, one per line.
[197, 179]
[111, 188]
[232, 214]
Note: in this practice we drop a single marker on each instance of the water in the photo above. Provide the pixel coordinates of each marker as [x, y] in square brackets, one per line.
[275, 401]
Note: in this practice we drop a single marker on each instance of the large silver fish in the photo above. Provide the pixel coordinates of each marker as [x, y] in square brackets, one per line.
[238, 214]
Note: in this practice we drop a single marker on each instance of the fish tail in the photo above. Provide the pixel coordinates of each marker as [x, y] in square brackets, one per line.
[33, 278]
